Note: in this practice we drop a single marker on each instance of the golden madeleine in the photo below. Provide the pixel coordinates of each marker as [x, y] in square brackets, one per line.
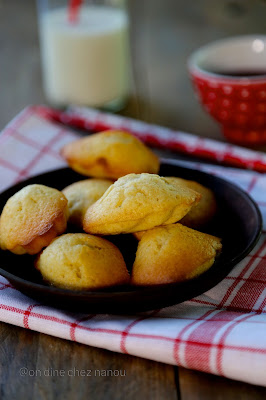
[81, 195]
[204, 211]
[32, 218]
[79, 261]
[110, 154]
[138, 202]
[173, 253]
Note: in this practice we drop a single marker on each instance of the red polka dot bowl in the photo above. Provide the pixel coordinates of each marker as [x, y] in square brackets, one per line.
[229, 77]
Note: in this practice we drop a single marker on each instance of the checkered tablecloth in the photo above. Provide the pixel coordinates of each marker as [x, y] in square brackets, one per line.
[223, 331]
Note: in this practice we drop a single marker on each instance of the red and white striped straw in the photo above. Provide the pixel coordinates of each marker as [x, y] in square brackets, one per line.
[74, 10]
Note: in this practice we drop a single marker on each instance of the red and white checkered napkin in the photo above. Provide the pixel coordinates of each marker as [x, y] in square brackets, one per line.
[223, 331]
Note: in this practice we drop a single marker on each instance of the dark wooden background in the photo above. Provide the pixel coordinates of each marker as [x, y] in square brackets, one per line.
[164, 33]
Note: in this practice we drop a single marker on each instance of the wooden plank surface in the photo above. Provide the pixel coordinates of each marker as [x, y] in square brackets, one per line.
[164, 33]
[20, 73]
[196, 385]
[38, 366]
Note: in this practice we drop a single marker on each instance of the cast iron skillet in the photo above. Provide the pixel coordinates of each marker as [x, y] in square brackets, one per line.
[238, 223]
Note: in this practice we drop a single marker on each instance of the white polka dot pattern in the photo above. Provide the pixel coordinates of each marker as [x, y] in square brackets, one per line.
[238, 104]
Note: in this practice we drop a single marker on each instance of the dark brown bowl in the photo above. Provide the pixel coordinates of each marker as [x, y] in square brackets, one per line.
[238, 222]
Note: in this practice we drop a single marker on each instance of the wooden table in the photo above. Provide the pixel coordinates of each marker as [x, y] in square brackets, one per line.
[164, 32]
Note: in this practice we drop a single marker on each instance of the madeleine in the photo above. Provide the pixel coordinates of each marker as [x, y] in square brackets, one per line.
[110, 154]
[204, 211]
[78, 261]
[138, 202]
[81, 195]
[32, 218]
[173, 253]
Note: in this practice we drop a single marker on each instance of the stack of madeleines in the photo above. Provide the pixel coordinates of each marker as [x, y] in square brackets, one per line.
[123, 195]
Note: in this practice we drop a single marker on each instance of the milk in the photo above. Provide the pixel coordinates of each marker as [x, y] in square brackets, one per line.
[87, 62]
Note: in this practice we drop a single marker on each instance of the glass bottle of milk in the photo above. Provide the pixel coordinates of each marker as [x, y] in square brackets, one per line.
[86, 61]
